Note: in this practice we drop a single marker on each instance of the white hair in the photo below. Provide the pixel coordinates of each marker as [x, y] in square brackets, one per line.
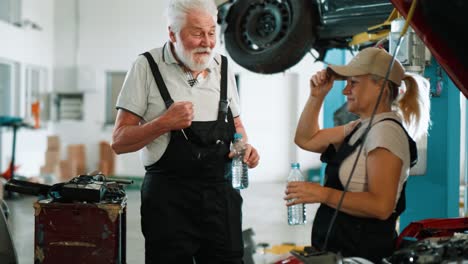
[177, 11]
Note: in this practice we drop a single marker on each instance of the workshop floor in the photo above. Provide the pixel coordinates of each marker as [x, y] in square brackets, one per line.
[263, 211]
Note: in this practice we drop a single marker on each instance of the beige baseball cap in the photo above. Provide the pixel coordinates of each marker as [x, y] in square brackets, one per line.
[370, 61]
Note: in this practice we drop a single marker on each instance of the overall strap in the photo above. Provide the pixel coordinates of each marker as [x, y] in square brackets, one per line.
[348, 137]
[412, 144]
[159, 80]
[223, 102]
[331, 154]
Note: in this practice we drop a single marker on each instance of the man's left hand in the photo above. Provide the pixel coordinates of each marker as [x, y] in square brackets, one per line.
[251, 157]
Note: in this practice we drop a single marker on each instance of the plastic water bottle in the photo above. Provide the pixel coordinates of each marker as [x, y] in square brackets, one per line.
[297, 212]
[240, 174]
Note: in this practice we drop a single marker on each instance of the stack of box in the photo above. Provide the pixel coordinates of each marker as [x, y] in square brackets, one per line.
[52, 155]
[106, 159]
[77, 159]
[63, 171]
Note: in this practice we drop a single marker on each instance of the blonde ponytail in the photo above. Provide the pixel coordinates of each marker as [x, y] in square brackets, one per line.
[414, 105]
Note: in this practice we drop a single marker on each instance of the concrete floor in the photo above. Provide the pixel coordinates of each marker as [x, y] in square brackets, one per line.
[263, 211]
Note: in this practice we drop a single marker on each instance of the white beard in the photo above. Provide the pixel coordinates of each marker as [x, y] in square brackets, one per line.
[188, 57]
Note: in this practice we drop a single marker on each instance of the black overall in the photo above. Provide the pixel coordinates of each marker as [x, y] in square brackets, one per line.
[369, 238]
[189, 209]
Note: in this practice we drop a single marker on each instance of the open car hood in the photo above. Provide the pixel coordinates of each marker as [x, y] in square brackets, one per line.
[442, 25]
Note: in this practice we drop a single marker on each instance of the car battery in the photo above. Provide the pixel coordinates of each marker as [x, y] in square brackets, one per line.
[80, 232]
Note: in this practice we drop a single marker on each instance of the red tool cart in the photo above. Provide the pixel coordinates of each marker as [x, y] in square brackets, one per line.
[80, 232]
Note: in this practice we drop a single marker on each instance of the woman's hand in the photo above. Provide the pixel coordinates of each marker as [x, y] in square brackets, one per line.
[304, 192]
[321, 83]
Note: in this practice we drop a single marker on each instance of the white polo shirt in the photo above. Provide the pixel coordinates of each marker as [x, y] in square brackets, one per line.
[140, 94]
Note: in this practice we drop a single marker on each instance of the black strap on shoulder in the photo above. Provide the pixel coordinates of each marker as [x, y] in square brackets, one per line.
[159, 80]
[355, 129]
[330, 153]
[412, 144]
[223, 102]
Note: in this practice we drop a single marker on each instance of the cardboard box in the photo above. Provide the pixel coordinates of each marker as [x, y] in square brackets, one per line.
[77, 155]
[63, 171]
[106, 158]
[52, 158]
[105, 151]
[76, 151]
[105, 168]
[77, 168]
[77, 159]
[47, 170]
[53, 143]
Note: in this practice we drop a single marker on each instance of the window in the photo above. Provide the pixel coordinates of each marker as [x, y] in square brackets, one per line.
[9, 88]
[5, 88]
[35, 93]
[115, 81]
[10, 11]
[8, 96]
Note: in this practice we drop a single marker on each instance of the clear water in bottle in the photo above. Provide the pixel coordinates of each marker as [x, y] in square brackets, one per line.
[240, 174]
[296, 213]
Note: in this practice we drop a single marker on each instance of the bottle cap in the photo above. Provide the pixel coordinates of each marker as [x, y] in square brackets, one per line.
[295, 165]
[237, 136]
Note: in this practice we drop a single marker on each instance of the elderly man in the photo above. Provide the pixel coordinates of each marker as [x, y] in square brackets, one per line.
[179, 106]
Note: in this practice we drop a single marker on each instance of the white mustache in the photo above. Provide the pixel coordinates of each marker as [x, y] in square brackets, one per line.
[197, 50]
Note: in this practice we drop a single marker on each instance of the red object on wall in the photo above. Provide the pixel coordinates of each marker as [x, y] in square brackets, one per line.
[80, 233]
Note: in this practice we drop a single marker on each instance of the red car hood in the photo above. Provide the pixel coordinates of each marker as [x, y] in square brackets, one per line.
[442, 26]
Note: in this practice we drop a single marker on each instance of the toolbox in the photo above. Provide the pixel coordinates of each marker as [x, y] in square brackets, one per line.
[80, 232]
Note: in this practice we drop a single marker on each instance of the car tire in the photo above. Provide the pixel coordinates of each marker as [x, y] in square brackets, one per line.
[270, 36]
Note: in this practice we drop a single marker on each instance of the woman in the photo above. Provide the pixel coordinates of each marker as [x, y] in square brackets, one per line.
[365, 225]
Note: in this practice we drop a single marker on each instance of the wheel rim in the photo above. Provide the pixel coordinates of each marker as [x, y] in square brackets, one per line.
[265, 24]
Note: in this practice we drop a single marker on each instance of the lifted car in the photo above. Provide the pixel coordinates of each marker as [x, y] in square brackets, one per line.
[269, 36]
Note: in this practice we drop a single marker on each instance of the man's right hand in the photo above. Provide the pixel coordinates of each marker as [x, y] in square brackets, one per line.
[179, 115]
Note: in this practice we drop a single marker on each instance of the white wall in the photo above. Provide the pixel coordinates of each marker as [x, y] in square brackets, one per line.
[271, 107]
[109, 36]
[28, 46]
[266, 104]
[65, 44]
